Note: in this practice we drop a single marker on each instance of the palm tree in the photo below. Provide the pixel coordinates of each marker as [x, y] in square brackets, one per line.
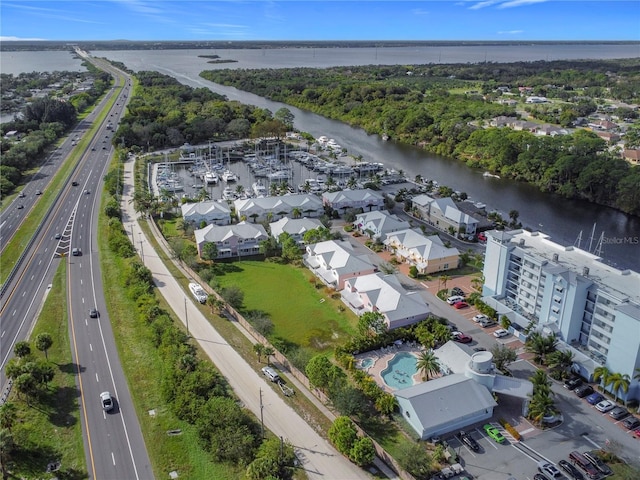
[8, 415]
[444, 279]
[619, 381]
[258, 348]
[560, 360]
[541, 382]
[268, 352]
[428, 364]
[603, 375]
[540, 406]
[541, 346]
[296, 212]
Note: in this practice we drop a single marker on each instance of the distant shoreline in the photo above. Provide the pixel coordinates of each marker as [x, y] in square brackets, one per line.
[9, 46]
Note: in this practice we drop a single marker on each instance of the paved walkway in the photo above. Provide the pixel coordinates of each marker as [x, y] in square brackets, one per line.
[319, 459]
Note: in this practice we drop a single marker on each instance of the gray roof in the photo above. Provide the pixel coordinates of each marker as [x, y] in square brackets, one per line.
[294, 226]
[203, 208]
[353, 196]
[244, 230]
[446, 399]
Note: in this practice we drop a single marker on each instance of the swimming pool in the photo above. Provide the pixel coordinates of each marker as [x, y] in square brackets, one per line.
[400, 371]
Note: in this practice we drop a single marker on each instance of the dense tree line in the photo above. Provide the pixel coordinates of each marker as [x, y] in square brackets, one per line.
[420, 105]
[164, 113]
[42, 121]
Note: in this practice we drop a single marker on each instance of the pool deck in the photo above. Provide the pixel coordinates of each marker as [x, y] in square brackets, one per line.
[383, 356]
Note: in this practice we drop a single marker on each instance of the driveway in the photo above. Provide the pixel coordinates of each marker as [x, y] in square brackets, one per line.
[319, 459]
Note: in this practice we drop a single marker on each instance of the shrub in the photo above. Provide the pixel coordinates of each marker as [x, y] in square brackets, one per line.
[509, 428]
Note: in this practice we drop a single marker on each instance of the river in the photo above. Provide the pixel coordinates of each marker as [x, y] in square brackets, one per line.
[564, 220]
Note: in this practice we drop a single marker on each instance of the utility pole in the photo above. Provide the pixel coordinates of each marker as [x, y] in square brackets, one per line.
[261, 415]
[186, 317]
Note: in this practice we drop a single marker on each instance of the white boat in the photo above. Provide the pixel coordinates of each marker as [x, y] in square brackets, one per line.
[198, 292]
[229, 176]
[259, 189]
[490, 175]
[211, 177]
[279, 175]
[229, 193]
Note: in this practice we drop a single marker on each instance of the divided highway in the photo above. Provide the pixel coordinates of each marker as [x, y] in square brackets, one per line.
[114, 445]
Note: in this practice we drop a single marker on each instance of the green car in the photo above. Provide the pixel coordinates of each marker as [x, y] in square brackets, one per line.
[494, 433]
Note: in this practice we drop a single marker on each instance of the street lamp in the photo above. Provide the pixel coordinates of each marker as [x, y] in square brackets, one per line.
[186, 317]
[141, 250]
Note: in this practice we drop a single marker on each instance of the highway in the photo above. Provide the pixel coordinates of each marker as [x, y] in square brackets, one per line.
[114, 446]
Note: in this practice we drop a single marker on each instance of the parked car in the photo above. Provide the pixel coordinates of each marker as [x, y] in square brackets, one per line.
[571, 470]
[583, 390]
[631, 422]
[494, 433]
[459, 305]
[107, 401]
[605, 405]
[482, 237]
[461, 337]
[549, 469]
[454, 298]
[585, 465]
[539, 476]
[501, 332]
[457, 291]
[468, 441]
[595, 398]
[487, 323]
[479, 349]
[593, 457]
[573, 383]
[480, 317]
[619, 413]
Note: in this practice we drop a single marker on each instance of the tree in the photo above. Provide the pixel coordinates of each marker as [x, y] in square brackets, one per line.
[268, 352]
[363, 452]
[290, 248]
[22, 349]
[8, 415]
[215, 304]
[443, 279]
[258, 348]
[322, 373]
[386, 403]
[372, 323]
[43, 343]
[269, 247]
[602, 375]
[26, 385]
[209, 251]
[296, 212]
[503, 356]
[561, 360]
[342, 434]
[541, 346]
[276, 459]
[428, 364]
[233, 295]
[285, 116]
[413, 457]
[619, 381]
[6, 449]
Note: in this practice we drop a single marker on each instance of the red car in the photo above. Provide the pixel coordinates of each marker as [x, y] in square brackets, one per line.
[460, 305]
[461, 337]
[482, 237]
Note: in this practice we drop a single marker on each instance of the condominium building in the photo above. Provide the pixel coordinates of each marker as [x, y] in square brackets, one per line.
[593, 308]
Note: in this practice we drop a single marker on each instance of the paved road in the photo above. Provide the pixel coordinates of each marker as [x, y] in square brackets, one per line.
[320, 460]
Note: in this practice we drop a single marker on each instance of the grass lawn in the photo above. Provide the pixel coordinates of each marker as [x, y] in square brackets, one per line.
[300, 312]
[50, 429]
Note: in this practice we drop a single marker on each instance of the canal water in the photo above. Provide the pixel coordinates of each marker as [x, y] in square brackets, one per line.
[566, 221]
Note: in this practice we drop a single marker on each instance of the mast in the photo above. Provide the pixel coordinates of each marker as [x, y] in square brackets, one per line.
[593, 231]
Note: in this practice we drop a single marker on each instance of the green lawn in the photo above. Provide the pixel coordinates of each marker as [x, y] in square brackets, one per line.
[300, 312]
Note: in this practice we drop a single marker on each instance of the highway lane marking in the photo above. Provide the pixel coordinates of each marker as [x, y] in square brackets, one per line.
[97, 379]
[113, 458]
[80, 281]
[91, 347]
[3, 332]
[32, 277]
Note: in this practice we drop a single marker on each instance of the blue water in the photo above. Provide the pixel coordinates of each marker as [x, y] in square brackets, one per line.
[400, 370]
[366, 363]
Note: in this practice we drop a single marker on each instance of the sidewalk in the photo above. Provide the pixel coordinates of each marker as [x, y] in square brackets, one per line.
[319, 459]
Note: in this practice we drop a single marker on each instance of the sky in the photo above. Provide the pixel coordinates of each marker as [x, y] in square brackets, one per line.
[238, 20]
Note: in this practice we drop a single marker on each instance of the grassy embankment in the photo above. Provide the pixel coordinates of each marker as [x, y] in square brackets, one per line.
[35, 217]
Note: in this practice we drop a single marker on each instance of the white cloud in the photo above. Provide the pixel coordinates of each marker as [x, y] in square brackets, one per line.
[519, 3]
[502, 3]
[486, 3]
[18, 39]
[420, 11]
[510, 32]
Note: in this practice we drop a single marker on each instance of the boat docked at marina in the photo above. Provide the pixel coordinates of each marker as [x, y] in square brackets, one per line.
[211, 178]
[259, 189]
[229, 193]
[229, 176]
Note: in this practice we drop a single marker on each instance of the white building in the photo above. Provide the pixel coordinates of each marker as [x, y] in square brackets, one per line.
[378, 223]
[261, 208]
[443, 214]
[231, 241]
[592, 307]
[296, 227]
[427, 253]
[334, 261]
[211, 212]
[343, 200]
[381, 293]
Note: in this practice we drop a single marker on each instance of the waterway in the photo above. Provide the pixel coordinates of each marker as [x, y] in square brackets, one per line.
[564, 220]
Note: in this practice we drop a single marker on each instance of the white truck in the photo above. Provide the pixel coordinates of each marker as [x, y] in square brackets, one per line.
[198, 292]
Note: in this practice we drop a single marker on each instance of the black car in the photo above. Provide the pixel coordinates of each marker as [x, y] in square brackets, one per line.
[468, 440]
[20, 206]
[583, 390]
[457, 291]
[74, 183]
[602, 467]
[631, 422]
[93, 313]
[571, 470]
[573, 383]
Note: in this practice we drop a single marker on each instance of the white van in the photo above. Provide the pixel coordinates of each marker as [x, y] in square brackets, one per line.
[271, 374]
[454, 299]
